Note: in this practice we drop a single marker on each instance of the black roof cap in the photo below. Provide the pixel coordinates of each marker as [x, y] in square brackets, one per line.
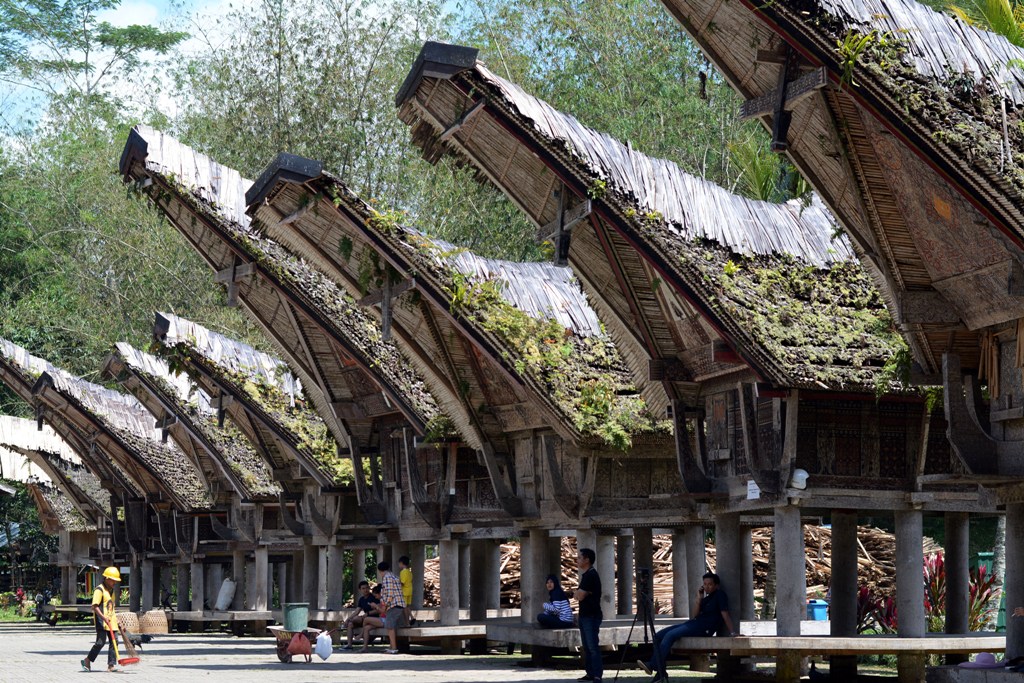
[436, 60]
[288, 168]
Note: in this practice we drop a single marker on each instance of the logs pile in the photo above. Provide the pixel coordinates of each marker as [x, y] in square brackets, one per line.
[876, 559]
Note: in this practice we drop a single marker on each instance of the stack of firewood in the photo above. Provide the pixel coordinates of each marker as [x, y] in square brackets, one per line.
[876, 554]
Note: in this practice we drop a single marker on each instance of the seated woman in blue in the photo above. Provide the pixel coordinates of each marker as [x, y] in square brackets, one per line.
[557, 613]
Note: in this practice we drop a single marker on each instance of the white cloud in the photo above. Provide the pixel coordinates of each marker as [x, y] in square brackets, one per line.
[130, 13]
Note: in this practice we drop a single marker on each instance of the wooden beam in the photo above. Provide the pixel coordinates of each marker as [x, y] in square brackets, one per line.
[786, 95]
[232, 276]
[721, 352]
[570, 219]
[454, 128]
[668, 370]
[926, 307]
[396, 290]
[771, 57]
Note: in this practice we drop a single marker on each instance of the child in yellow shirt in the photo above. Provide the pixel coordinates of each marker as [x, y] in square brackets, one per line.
[405, 578]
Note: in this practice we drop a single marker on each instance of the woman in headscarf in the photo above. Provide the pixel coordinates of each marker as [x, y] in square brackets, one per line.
[557, 612]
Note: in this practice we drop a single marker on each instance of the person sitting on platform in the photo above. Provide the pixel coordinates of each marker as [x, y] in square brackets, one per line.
[558, 612]
[712, 608]
[366, 606]
[372, 621]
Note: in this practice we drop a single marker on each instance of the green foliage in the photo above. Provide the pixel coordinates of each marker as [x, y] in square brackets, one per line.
[850, 49]
[1005, 17]
[32, 548]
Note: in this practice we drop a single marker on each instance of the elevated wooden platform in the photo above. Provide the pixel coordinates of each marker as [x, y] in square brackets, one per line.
[937, 643]
[216, 616]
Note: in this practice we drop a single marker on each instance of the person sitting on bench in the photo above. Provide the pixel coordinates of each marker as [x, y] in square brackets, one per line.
[712, 608]
[558, 612]
[366, 606]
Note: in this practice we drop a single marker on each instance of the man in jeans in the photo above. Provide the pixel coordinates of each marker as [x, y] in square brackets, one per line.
[392, 604]
[712, 608]
[589, 597]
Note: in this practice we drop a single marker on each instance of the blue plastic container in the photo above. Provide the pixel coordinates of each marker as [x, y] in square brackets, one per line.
[817, 610]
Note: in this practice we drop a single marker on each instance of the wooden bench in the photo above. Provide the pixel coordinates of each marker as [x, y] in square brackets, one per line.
[76, 611]
[934, 643]
[236, 619]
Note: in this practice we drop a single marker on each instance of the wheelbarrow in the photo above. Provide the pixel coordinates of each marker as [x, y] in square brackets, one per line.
[283, 637]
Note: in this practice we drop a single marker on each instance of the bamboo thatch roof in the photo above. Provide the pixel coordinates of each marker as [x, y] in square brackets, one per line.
[771, 280]
[74, 479]
[20, 371]
[536, 339]
[221, 451]
[267, 389]
[315, 324]
[913, 142]
[56, 511]
[19, 432]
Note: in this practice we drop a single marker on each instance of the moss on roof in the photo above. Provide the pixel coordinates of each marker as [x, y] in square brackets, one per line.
[230, 443]
[303, 426]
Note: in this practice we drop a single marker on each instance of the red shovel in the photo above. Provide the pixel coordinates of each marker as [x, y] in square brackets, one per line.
[113, 641]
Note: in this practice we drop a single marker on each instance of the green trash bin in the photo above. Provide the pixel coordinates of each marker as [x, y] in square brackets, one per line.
[296, 616]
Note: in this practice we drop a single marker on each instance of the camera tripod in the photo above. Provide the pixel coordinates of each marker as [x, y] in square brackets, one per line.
[644, 612]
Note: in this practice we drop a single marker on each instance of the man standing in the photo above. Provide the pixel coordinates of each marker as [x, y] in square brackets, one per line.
[106, 619]
[589, 597]
[392, 604]
[712, 608]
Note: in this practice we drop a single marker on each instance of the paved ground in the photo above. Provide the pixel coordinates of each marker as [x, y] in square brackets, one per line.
[37, 653]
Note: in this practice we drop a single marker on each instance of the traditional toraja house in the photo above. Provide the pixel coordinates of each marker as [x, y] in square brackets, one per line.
[754, 324]
[163, 497]
[261, 398]
[238, 478]
[906, 121]
[75, 507]
[514, 354]
[366, 392]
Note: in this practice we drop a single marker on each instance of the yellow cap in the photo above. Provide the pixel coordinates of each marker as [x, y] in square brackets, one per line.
[112, 573]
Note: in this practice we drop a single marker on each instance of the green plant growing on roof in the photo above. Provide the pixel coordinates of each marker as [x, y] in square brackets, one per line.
[345, 247]
[850, 49]
[597, 189]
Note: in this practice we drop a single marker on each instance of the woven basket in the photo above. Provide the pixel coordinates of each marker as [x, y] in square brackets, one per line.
[153, 621]
[129, 621]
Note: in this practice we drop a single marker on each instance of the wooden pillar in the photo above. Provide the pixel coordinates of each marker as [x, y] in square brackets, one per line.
[383, 554]
[909, 592]
[417, 557]
[958, 577]
[198, 576]
[68, 587]
[624, 573]
[643, 558]
[696, 566]
[283, 594]
[449, 578]
[728, 566]
[263, 592]
[532, 568]
[251, 587]
[183, 603]
[680, 593]
[214, 579]
[491, 575]
[320, 598]
[747, 576]
[295, 572]
[310, 574]
[843, 617]
[790, 586]
[1013, 582]
[478, 591]
[464, 575]
[135, 584]
[358, 568]
[335, 576]
[605, 551]
[239, 577]
[148, 589]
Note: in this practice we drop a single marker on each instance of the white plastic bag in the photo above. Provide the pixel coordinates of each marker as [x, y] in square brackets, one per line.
[225, 596]
[323, 647]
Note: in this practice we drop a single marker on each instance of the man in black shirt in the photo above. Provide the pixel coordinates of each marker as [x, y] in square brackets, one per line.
[589, 596]
[712, 609]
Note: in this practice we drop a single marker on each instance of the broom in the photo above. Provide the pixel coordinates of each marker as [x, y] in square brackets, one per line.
[133, 657]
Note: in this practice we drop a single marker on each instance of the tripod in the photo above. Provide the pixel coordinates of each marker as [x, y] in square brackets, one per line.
[644, 611]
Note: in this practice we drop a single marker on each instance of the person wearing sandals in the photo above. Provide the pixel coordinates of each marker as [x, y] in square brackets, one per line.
[393, 603]
[106, 620]
[372, 621]
[558, 612]
[366, 606]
